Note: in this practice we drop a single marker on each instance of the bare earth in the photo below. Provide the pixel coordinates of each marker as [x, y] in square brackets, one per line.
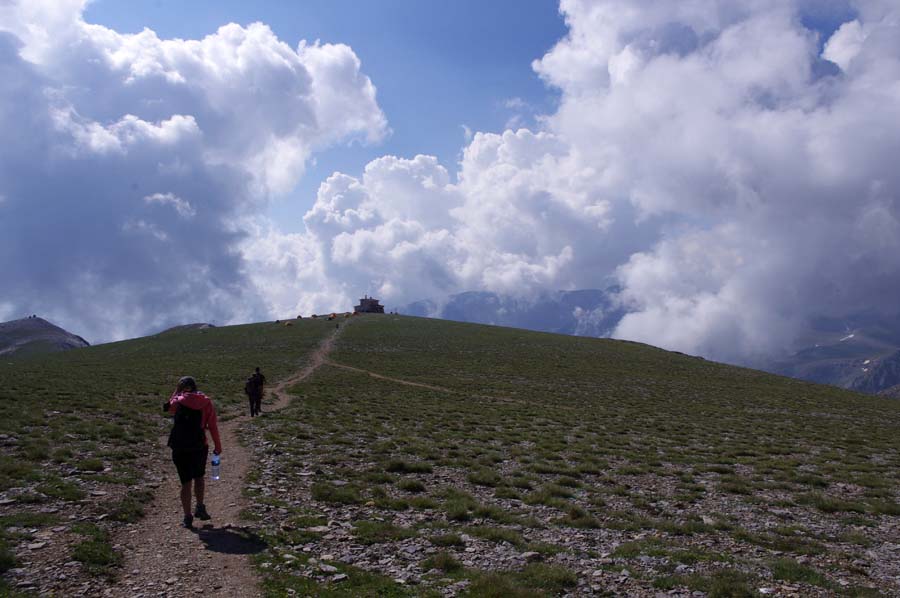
[163, 559]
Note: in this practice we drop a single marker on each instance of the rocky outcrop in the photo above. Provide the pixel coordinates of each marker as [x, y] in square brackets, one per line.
[882, 374]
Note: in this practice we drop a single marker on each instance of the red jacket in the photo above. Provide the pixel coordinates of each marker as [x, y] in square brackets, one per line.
[201, 402]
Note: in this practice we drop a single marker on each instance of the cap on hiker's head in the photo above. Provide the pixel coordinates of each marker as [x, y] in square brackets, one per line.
[187, 383]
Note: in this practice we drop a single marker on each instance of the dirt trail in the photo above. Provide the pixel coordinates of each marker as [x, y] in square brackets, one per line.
[162, 559]
[372, 374]
[387, 378]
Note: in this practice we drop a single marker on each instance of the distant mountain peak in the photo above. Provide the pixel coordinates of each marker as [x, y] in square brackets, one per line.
[33, 335]
[587, 312]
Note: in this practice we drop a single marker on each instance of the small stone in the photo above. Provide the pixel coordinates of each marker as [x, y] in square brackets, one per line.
[327, 568]
[36, 545]
[171, 581]
[339, 577]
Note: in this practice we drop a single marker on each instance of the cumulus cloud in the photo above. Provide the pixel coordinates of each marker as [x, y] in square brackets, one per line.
[729, 164]
[135, 161]
[768, 167]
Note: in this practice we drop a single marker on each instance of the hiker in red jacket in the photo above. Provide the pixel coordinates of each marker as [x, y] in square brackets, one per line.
[194, 415]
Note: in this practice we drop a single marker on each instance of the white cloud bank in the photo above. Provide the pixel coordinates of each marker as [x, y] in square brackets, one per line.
[129, 162]
[730, 167]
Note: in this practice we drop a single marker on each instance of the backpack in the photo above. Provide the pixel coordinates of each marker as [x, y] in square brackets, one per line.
[254, 384]
[187, 432]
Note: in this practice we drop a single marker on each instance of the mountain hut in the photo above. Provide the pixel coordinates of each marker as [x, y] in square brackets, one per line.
[369, 305]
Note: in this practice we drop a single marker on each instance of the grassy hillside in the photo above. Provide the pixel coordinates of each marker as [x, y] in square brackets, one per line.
[540, 464]
[79, 432]
[522, 464]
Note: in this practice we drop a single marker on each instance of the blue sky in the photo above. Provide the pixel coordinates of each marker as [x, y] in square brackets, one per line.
[437, 65]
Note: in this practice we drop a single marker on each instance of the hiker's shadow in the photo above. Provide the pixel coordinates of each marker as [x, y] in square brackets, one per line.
[233, 540]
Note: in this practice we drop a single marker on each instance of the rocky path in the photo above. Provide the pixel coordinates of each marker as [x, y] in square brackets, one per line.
[162, 559]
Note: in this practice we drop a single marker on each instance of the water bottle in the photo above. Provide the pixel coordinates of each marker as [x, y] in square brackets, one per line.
[214, 470]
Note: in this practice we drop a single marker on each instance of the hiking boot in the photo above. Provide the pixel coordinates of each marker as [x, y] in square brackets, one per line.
[200, 513]
[189, 521]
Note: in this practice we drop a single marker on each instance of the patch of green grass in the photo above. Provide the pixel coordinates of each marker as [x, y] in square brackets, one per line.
[496, 534]
[484, 477]
[444, 561]
[459, 505]
[399, 466]
[551, 578]
[791, 570]
[578, 517]
[131, 507]
[383, 500]
[376, 532]
[330, 493]
[414, 486]
[447, 540]
[830, 504]
[725, 583]
[90, 465]
[359, 584]
[7, 557]
[95, 552]
[534, 580]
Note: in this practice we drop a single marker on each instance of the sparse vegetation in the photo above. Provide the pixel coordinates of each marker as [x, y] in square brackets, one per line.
[519, 450]
[528, 464]
[79, 435]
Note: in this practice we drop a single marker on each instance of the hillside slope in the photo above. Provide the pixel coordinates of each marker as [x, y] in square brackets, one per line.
[33, 335]
[429, 457]
[486, 461]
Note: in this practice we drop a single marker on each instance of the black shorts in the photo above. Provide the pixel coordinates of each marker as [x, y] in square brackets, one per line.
[191, 464]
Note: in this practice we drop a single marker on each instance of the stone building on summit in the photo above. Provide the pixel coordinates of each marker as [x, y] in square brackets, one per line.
[369, 305]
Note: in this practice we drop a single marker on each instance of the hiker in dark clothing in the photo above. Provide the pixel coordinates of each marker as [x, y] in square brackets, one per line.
[254, 388]
[194, 415]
